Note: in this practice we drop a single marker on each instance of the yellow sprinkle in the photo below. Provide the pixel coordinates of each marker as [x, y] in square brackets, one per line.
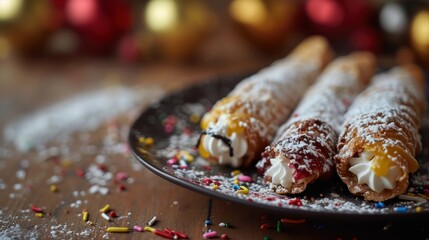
[243, 190]
[235, 172]
[215, 187]
[195, 118]
[186, 155]
[53, 188]
[91, 223]
[149, 229]
[419, 209]
[149, 141]
[85, 216]
[66, 163]
[39, 215]
[141, 139]
[236, 181]
[118, 229]
[105, 208]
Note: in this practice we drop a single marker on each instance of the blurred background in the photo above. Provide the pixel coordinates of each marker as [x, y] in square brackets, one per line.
[208, 32]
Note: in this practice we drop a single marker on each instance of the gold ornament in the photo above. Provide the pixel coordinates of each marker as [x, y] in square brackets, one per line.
[419, 34]
[177, 28]
[266, 23]
[25, 24]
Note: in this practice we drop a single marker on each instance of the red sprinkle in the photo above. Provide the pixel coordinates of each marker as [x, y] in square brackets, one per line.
[121, 187]
[121, 176]
[113, 214]
[295, 201]
[287, 220]
[264, 226]
[102, 167]
[80, 172]
[217, 183]
[224, 236]
[162, 234]
[172, 161]
[36, 209]
[207, 181]
[180, 235]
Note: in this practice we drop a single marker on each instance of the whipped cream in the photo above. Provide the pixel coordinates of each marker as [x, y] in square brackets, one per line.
[361, 167]
[280, 172]
[219, 149]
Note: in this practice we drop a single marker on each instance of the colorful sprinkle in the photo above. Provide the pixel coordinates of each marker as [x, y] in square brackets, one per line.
[295, 221]
[138, 228]
[245, 178]
[207, 222]
[215, 187]
[209, 235]
[39, 215]
[149, 141]
[172, 161]
[400, 209]
[152, 221]
[36, 209]
[236, 187]
[149, 229]
[224, 236]
[105, 208]
[243, 190]
[419, 209]
[195, 118]
[279, 226]
[235, 172]
[265, 226]
[267, 238]
[105, 216]
[112, 214]
[379, 205]
[227, 225]
[121, 176]
[117, 229]
[295, 202]
[85, 216]
[53, 188]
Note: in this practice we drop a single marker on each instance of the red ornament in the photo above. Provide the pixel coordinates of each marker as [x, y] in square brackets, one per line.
[335, 18]
[128, 49]
[365, 39]
[99, 23]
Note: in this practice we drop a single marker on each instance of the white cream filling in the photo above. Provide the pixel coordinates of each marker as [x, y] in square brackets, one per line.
[280, 172]
[217, 148]
[361, 167]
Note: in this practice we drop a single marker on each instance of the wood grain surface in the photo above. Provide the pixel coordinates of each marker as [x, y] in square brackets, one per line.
[25, 177]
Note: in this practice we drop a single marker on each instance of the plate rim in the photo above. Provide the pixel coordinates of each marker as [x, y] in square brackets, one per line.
[308, 214]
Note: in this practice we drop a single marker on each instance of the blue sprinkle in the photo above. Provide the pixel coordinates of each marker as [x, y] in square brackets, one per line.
[379, 205]
[208, 222]
[400, 209]
[236, 187]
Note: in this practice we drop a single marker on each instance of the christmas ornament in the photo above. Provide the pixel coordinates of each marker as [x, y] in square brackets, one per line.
[128, 49]
[419, 35]
[99, 23]
[177, 28]
[393, 18]
[337, 18]
[267, 24]
[26, 24]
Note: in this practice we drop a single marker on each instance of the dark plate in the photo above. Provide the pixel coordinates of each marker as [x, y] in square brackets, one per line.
[173, 123]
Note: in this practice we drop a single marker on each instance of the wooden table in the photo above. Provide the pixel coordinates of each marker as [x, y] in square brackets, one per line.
[26, 178]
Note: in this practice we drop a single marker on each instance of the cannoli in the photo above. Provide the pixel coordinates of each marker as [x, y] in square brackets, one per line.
[239, 126]
[306, 145]
[380, 137]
